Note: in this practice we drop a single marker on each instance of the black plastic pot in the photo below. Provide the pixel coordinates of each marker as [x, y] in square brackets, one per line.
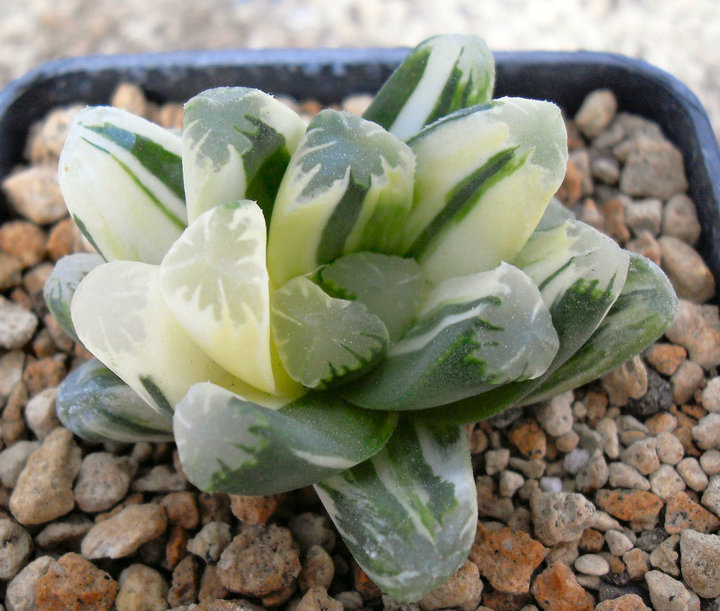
[328, 75]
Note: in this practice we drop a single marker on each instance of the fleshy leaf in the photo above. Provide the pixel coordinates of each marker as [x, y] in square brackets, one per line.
[348, 188]
[442, 74]
[322, 340]
[121, 317]
[61, 284]
[237, 143]
[484, 176]
[473, 333]
[121, 177]
[391, 287]
[229, 444]
[641, 314]
[215, 283]
[408, 515]
[98, 406]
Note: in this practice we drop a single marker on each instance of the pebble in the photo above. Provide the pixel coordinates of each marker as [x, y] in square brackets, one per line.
[594, 474]
[317, 570]
[509, 483]
[532, 469]
[663, 422]
[567, 441]
[551, 484]
[668, 447]
[40, 413]
[668, 594]
[560, 516]
[627, 602]
[17, 325]
[665, 358]
[615, 226]
[506, 558]
[13, 459]
[528, 438]
[711, 395]
[691, 471]
[666, 482]
[607, 428]
[253, 509]
[635, 506]
[711, 496]
[700, 562]
[682, 512]
[653, 168]
[644, 215]
[490, 504]
[555, 416]
[317, 599]
[692, 331]
[34, 193]
[496, 460]
[20, 594]
[23, 240]
[72, 582]
[259, 561]
[637, 562]
[310, 529]
[161, 478]
[185, 582]
[665, 556]
[181, 509]
[141, 587]
[66, 531]
[123, 533]
[10, 268]
[130, 97]
[209, 543]
[44, 488]
[604, 167]
[680, 219]
[710, 461]
[603, 521]
[103, 481]
[686, 270]
[658, 397]
[557, 588]
[707, 432]
[47, 137]
[575, 460]
[618, 542]
[596, 112]
[642, 455]
[592, 564]
[626, 382]
[16, 545]
[462, 591]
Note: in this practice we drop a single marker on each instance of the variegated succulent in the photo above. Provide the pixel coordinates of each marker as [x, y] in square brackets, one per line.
[330, 303]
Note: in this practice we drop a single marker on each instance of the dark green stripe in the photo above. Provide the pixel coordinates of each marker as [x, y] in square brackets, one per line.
[157, 394]
[86, 233]
[160, 162]
[162, 207]
[445, 100]
[341, 222]
[263, 187]
[461, 200]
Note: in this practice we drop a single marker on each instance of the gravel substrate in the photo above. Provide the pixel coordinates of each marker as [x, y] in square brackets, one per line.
[604, 498]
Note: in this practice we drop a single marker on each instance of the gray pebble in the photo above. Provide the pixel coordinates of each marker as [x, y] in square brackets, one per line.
[16, 545]
[509, 483]
[160, 479]
[496, 460]
[700, 562]
[622, 475]
[20, 595]
[686, 270]
[707, 432]
[41, 414]
[666, 482]
[13, 459]
[17, 324]
[575, 460]
[685, 381]
[210, 542]
[310, 529]
[11, 369]
[691, 331]
[711, 496]
[141, 587]
[596, 112]
[551, 484]
[68, 530]
[644, 215]
[605, 168]
[533, 468]
[668, 594]
[103, 481]
[653, 169]
[642, 455]
[665, 556]
[594, 474]
[607, 428]
[680, 219]
[592, 564]
[711, 395]
[618, 542]
[555, 416]
[691, 471]
[669, 448]
[560, 516]
[710, 461]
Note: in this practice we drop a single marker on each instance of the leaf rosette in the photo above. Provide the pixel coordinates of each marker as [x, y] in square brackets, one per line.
[329, 303]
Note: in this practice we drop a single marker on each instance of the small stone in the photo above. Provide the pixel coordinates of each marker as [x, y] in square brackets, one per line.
[691, 330]
[592, 564]
[707, 432]
[570, 190]
[689, 275]
[181, 509]
[363, 584]
[711, 395]
[560, 516]
[17, 325]
[644, 215]
[130, 97]
[20, 595]
[509, 483]
[40, 413]
[160, 479]
[72, 582]
[175, 546]
[16, 546]
[496, 460]
[210, 541]
[47, 137]
[649, 539]
[665, 358]
[668, 594]
[592, 540]
[10, 268]
[657, 398]
[603, 521]
[607, 428]
[636, 506]
[532, 469]
[13, 459]
[34, 193]
[642, 455]
[357, 104]
[605, 168]
[462, 591]
[528, 438]
[653, 169]
[711, 496]
[637, 562]
[618, 542]
[103, 481]
[44, 373]
[318, 569]
[253, 509]
[567, 441]
[682, 512]
[68, 531]
[555, 416]
[185, 582]
[44, 487]
[691, 471]
[615, 226]
[551, 484]
[317, 599]
[557, 588]
[60, 239]
[596, 112]
[141, 587]
[170, 116]
[506, 558]
[666, 482]
[310, 529]
[489, 503]
[210, 585]
[665, 556]
[680, 219]
[478, 441]
[669, 449]
[259, 561]
[23, 240]
[700, 562]
[122, 534]
[628, 602]
[594, 474]
[710, 461]
[566, 552]
[353, 600]
[625, 382]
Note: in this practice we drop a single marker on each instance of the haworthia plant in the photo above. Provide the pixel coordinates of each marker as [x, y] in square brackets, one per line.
[338, 299]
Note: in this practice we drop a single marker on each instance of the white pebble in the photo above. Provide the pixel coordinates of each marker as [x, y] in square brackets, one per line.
[691, 471]
[592, 564]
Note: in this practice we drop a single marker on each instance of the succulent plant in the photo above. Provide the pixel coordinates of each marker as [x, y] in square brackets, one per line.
[330, 303]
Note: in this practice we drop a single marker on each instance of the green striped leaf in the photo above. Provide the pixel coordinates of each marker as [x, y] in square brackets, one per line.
[641, 314]
[473, 333]
[408, 515]
[121, 177]
[442, 74]
[229, 444]
[484, 176]
[60, 286]
[348, 188]
[237, 144]
[322, 340]
[390, 287]
[98, 406]
[121, 317]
